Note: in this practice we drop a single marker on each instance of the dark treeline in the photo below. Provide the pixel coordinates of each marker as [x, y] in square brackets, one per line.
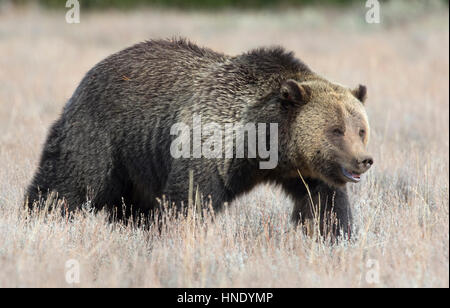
[190, 4]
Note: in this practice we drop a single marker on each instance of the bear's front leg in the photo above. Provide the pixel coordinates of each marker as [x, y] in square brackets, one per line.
[325, 207]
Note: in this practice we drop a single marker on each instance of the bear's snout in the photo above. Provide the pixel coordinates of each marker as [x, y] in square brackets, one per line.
[364, 163]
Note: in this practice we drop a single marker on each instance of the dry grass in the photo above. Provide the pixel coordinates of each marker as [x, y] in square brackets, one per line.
[401, 207]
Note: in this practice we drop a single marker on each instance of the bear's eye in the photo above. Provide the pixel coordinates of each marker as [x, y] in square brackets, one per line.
[338, 132]
[362, 133]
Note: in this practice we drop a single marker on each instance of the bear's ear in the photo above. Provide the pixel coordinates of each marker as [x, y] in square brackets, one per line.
[293, 92]
[360, 93]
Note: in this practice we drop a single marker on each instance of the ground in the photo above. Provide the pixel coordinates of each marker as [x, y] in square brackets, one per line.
[401, 206]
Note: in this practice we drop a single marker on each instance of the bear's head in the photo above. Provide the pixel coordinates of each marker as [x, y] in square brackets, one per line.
[328, 130]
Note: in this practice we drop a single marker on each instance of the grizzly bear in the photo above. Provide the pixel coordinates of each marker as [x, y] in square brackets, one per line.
[113, 143]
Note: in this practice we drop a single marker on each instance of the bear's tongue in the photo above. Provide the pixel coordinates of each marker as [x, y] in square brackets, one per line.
[354, 177]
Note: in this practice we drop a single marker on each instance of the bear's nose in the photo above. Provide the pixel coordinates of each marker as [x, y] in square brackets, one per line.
[365, 162]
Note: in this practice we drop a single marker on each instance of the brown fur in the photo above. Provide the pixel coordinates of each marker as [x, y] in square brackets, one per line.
[113, 137]
[316, 149]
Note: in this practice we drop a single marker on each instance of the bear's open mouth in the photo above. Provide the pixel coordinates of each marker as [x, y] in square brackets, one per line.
[352, 176]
